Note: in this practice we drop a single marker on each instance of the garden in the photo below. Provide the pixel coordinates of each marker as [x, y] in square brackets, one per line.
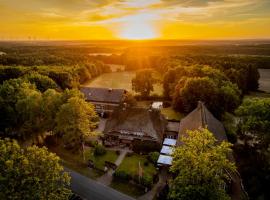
[136, 174]
[98, 155]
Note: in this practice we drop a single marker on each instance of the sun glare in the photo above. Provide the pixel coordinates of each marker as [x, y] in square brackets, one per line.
[138, 27]
[138, 31]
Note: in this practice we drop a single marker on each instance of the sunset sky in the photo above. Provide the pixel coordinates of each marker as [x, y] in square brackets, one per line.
[134, 19]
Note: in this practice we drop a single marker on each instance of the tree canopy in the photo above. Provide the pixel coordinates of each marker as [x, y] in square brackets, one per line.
[143, 82]
[200, 165]
[31, 173]
[218, 95]
[75, 121]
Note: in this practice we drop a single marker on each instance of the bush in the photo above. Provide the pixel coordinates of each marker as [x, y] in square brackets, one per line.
[90, 143]
[153, 157]
[99, 150]
[129, 154]
[122, 175]
[146, 163]
[145, 146]
[145, 180]
[117, 152]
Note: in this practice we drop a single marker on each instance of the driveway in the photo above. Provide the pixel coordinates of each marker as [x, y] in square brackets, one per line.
[91, 190]
[101, 125]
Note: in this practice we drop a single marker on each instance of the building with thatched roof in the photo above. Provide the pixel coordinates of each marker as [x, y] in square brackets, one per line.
[201, 117]
[128, 124]
[104, 99]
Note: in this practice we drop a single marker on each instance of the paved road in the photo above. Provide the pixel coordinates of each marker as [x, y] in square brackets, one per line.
[92, 190]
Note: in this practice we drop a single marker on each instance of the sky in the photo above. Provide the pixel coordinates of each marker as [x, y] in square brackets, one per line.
[134, 19]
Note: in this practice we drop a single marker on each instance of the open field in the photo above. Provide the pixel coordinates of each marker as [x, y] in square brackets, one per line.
[264, 80]
[119, 80]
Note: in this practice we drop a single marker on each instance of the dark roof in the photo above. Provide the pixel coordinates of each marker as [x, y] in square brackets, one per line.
[201, 117]
[151, 123]
[173, 126]
[107, 95]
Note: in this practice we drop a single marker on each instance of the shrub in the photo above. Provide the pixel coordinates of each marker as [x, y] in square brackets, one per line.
[99, 150]
[146, 163]
[117, 152]
[145, 180]
[145, 146]
[129, 154]
[153, 157]
[122, 175]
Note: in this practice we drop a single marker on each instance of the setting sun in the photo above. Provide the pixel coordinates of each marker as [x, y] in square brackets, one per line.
[138, 31]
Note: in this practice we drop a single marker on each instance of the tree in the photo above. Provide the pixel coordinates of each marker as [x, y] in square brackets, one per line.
[200, 166]
[75, 121]
[42, 82]
[143, 82]
[254, 154]
[218, 96]
[11, 92]
[255, 119]
[31, 173]
[129, 99]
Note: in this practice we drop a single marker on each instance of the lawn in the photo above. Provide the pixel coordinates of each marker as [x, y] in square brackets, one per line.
[171, 114]
[75, 161]
[99, 161]
[131, 164]
[119, 80]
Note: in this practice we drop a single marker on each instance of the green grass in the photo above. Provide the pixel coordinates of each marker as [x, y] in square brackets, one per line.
[171, 114]
[119, 80]
[131, 164]
[75, 161]
[127, 188]
[99, 161]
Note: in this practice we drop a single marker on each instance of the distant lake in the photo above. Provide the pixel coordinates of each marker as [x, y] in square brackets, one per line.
[103, 54]
[264, 80]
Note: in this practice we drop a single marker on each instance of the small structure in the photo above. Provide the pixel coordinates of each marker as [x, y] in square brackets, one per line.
[166, 151]
[104, 99]
[172, 130]
[129, 124]
[157, 105]
[164, 160]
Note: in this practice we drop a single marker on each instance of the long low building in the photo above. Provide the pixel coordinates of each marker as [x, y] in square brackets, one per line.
[105, 100]
[129, 124]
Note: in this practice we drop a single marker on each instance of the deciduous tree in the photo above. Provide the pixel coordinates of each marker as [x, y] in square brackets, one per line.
[200, 166]
[31, 173]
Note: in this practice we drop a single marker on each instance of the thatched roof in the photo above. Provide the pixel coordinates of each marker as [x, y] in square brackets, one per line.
[149, 122]
[201, 117]
[105, 95]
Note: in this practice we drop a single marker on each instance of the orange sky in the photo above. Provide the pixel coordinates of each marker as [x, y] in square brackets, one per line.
[134, 19]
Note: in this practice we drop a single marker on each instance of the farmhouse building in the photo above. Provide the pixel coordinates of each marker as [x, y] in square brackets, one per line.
[130, 124]
[201, 117]
[105, 100]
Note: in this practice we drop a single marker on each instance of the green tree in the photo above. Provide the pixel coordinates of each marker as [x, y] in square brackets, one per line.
[11, 92]
[42, 82]
[200, 165]
[31, 173]
[218, 96]
[255, 119]
[75, 121]
[143, 82]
